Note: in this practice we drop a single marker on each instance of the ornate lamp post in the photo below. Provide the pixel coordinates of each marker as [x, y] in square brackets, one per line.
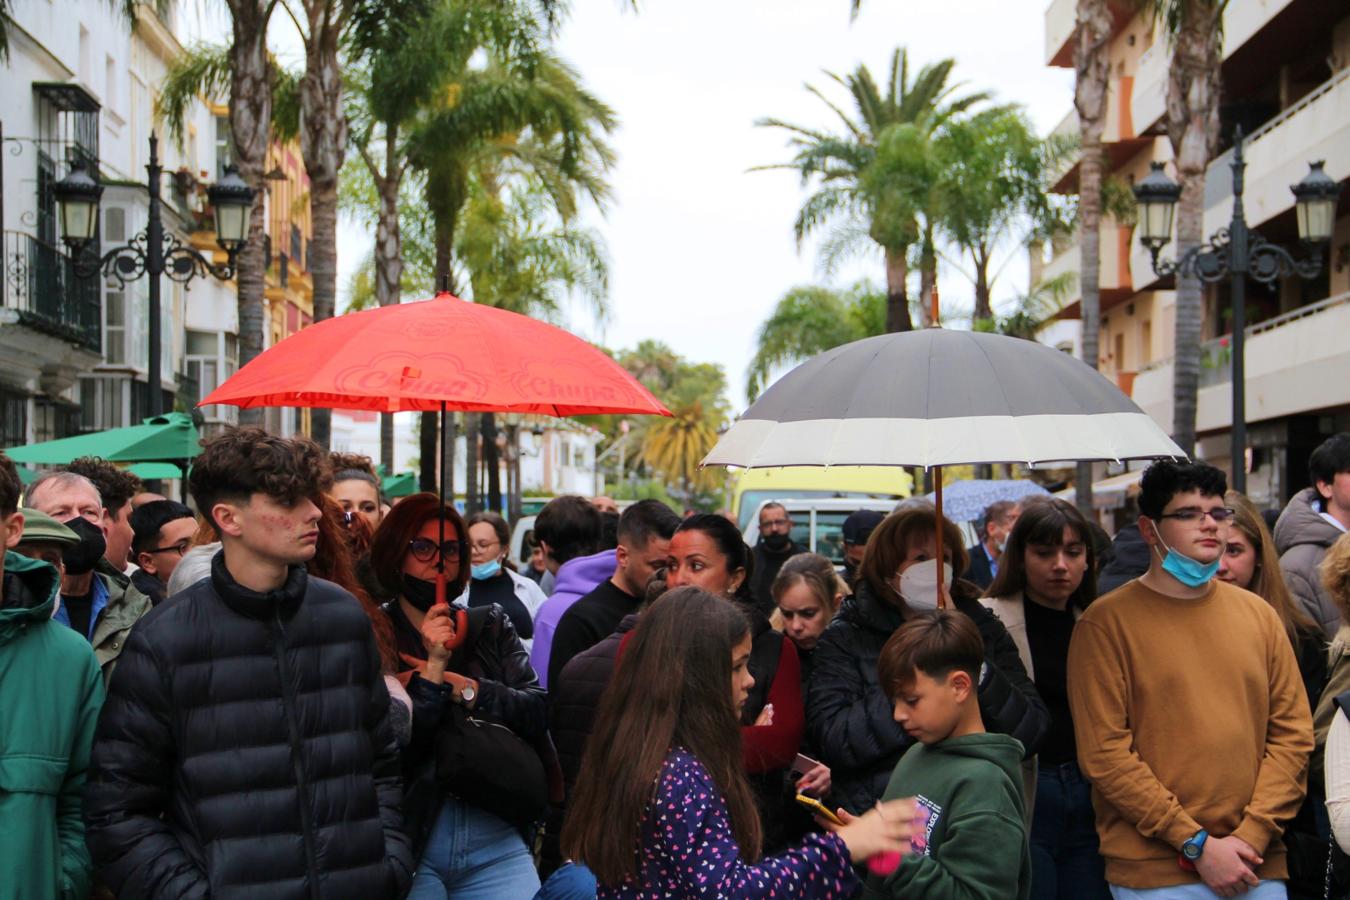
[151, 252]
[1238, 253]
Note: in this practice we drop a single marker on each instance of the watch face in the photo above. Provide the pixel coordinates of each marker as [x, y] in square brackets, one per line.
[1190, 851]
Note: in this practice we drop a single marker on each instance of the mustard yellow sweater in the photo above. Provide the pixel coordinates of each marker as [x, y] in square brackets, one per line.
[1189, 714]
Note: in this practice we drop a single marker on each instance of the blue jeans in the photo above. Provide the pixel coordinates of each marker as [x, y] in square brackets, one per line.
[572, 881]
[1066, 863]
[1266, 890]
[473, 855]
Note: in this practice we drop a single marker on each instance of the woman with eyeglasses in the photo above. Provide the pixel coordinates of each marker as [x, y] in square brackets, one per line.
[464, 849]
[494, 580]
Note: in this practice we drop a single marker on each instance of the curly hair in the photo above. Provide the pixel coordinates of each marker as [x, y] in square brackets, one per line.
[354, 462]
[1165, 479]
[1335, 571]
[116, 486]
[247, 461]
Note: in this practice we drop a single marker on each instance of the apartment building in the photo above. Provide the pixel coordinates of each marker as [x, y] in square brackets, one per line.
[1286, 81]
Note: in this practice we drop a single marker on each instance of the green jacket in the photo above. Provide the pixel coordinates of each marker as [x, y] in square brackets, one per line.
[970, 840]
[126, 605]
[50, 695]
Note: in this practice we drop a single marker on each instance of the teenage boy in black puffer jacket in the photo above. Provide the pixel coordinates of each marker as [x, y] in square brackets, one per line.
[245, 749]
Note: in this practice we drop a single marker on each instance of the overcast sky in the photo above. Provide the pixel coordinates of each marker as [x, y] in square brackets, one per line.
[701, 249]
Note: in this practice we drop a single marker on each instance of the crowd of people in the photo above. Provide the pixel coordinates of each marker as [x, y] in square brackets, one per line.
[296, 689]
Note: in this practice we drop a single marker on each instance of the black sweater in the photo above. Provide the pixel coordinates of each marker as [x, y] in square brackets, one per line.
[586, 623]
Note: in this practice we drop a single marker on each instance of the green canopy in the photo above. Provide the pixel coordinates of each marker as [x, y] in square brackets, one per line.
[167, 438]
[154, 471]
[399, 485]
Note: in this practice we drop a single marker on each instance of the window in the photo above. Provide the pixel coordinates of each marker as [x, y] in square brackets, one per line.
[110, 83]
[54, 419]
[1120, 352]
[1146, 342]
[224, 145]
[13, 418]
[86, 64]
[114, 295]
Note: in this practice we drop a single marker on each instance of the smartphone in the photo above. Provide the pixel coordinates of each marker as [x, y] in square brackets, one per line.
[819, 809]
[801, 765]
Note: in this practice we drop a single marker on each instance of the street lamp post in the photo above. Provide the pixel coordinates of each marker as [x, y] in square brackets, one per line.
[151, 252]
[1238, 253]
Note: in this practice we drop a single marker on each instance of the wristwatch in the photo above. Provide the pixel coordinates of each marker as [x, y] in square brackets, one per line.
[1194, 846]
[467, 696]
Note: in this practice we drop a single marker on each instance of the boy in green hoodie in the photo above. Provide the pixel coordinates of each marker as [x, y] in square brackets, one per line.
[970, 840]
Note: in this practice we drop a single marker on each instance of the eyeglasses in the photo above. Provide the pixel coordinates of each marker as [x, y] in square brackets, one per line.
[424, 550]
[1220, 515]
[180, 548]
[481, 547]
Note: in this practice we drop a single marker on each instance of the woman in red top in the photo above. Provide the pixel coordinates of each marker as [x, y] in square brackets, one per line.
[708, 552]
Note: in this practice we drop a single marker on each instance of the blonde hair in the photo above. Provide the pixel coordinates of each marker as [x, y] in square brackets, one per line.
[819, 576]
[1267, 580]
[1335, 571]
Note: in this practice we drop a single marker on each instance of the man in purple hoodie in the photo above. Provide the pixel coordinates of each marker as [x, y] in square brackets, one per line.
[568, 530]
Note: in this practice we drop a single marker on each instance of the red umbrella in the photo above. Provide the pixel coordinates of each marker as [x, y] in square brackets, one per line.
[440, 354]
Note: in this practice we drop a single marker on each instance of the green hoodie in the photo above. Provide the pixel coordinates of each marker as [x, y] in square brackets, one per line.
[973, 840]
[50, 695]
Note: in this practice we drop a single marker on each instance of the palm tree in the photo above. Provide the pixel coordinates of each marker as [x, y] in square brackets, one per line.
[838, 163]
[1195, 30]
[676, 445]
[1092, 71]
[810, 320]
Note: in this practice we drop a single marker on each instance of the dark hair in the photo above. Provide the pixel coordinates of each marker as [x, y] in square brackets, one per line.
[935, 643]
[400, 526]
[116, 486]
[729, 543]
[11, 486]
[499, 526]
[1042, 524]
[333, 561]
[355, 467]
[609, 531]
[246, 461]
[672, 688]
[1165, 479]
[772, 504]
[149, 518]
[570, 526]
[995, 513]
[1331, 457]
[645, 520]
[889, 542]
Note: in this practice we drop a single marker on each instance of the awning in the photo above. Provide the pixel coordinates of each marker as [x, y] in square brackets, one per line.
[399, 485]
[167, 438]
[1109, 493]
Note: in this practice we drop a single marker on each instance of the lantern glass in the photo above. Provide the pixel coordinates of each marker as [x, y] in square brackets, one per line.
[231, 224]
[1316, 219]
[1157, 221]
[79, 219]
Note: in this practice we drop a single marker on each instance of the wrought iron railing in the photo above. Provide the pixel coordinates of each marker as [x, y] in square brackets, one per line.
[40, 285]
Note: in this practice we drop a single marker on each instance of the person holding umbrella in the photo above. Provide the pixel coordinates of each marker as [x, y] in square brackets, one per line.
[849, 716]
[467, 837]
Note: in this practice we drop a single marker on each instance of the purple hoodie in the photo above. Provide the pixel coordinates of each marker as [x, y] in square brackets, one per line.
[576, 578]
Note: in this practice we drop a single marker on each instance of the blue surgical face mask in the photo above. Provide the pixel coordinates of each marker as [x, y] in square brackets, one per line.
[484, 571]
[1184, 569]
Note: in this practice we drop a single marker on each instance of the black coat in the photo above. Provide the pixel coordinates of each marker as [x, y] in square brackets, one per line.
[1129, 560]
[764, 568]
[508, 692]
[979, 572]
[849, 717]
[245, 751]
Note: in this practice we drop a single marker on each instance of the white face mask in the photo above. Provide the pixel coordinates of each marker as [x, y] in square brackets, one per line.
[918, 584]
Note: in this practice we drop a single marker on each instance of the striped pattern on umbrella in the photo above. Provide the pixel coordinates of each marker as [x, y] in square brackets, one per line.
[940, 397]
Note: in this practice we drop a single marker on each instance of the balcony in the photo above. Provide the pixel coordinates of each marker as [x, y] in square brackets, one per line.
[1060, 19]
[42, 291]
[1119, 139]
[1278, 153]
[1296, 363]
[1113, 275]
[1243, 20]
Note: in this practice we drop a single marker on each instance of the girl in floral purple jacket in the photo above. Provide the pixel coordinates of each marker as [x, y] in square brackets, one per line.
[662, 807]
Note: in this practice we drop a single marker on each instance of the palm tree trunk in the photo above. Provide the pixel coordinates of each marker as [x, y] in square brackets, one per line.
[927, 276]
[473, 430]
[897, 298]
[323, 145]
[1193, 128]
[1092, 70]
[388, 257]
[251, 129]
[984, 309]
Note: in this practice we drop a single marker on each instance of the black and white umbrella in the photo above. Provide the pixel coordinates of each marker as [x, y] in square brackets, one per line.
[937, 397]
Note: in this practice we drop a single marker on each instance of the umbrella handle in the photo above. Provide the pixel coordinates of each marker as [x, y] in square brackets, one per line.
[937, 521]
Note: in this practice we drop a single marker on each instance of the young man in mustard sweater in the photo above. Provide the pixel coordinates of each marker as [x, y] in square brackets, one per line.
[1189, 711]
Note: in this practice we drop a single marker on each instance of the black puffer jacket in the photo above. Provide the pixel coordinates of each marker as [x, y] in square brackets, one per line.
[244, 751]
[508, 691]
[848, 716]
[1129, 560]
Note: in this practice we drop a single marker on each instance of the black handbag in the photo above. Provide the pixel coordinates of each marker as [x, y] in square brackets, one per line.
[482, 761]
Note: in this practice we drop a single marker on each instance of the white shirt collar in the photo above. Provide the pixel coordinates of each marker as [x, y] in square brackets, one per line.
[1334, 521]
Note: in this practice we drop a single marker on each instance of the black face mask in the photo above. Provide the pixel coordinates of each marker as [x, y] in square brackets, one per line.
[419, 592]
[81, 558]
[777, 542]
